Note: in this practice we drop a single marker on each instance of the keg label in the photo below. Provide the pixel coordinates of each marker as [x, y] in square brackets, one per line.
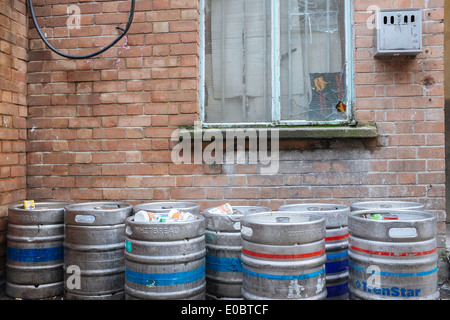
[27, 218]
[301, 233]
[370, 286]
[35, 255]
[158, 230]
[388, 291]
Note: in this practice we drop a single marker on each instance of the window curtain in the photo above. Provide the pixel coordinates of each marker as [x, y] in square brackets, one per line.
[241, 58]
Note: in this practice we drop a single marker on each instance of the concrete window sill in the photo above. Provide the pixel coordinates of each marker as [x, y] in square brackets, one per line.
[359, 131]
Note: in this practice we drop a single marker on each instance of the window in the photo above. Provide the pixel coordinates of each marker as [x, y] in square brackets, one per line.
[280, 62]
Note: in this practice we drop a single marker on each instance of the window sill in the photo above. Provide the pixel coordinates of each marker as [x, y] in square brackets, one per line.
[359, 131]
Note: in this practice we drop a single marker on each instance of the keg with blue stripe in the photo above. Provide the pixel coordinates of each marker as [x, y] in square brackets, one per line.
[393, 255]
[336, 244]
[223, 252]
[34, 263]
[283, 256]
[165, 260]
[94, 262]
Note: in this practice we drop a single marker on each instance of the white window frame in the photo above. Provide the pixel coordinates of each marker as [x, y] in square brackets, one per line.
[275, 65]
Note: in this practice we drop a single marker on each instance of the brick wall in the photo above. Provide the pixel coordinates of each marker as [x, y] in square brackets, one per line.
[99, 129]
[13, 104]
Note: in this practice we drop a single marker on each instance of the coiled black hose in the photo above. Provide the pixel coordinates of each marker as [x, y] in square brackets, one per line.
[124, 31]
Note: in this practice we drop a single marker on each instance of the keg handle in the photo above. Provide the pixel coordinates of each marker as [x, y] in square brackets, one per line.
[403, 233]
[84, 218]
[246, 231]
[166, 207]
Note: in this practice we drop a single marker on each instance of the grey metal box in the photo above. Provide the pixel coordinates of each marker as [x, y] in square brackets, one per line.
[398, 32]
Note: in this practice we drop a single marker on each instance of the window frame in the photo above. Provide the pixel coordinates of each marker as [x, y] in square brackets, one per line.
[276, 73]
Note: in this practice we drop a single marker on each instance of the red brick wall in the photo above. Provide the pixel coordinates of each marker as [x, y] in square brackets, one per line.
[13, 104]
[99, 129]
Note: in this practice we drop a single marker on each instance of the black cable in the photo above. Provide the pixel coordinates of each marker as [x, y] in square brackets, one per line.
[124, 31]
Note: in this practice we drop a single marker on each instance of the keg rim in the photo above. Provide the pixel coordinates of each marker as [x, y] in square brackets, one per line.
[180, 205]
[207, 211]
[407, 205]
[312, 218]
[416, 213]
[82, 206]
[339, 207]
[19, 207]
[130, 221]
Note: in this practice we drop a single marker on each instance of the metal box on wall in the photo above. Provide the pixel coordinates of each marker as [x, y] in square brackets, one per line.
[398, 32]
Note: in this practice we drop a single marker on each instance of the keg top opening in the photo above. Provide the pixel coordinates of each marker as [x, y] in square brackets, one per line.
[283, 219]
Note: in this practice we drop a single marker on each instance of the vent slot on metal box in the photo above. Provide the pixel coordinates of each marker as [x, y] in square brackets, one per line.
[398, 32]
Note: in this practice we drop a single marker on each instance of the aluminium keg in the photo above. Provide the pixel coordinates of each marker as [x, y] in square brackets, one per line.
[223, 251]
[165, 260]
[401, 205]
[3, 228]
[393, 255]
[283, 256]
[34, 263]
[94, 262]
[165, 207]
[336, 244]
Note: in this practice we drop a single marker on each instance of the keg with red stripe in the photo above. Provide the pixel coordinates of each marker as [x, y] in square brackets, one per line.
[336, 244]
[393, 259]
[283, 256]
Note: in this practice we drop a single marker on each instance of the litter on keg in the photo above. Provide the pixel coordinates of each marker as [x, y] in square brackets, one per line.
[174, 215]
[378, 216]
[28, 205]
[224, 208]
